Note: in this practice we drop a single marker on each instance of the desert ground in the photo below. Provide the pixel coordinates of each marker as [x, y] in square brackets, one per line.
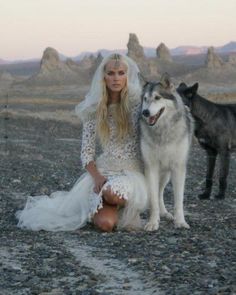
[40, 140]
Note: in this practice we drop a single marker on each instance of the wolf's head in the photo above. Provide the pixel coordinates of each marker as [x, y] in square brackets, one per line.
[187, 93]
[157, 97]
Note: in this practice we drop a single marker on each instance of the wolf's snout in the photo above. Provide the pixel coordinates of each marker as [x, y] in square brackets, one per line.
[146, 113]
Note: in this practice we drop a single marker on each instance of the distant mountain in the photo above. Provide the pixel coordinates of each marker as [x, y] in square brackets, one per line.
[151, 51]
[25, 61]
[19, 61]
[227, 48]
[3, 62]
[103, 52]
[21, 69]
[192, 50]
[188, 50]
[148, 51]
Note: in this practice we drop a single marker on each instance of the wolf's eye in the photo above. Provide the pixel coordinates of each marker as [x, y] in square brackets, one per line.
[157, 97]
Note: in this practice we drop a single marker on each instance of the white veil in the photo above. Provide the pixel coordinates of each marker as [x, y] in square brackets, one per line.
[92, 98]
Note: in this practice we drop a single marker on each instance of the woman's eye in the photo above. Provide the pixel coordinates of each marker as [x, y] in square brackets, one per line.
[119, 73]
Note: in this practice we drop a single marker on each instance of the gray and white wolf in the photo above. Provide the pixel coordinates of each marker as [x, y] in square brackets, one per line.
[166, 134]
[215, 130]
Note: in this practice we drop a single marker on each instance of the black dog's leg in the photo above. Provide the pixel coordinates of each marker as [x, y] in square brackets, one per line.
[211, 160]
[224, 171]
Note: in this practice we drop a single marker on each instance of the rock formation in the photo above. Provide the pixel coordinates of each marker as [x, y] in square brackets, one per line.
[215, 71]
[213, 61]
[50, 60]
[232, 59]
[163, 53]
[96, 62]
[53, 71]
[71, 64]
[135, 50]
[87, 62]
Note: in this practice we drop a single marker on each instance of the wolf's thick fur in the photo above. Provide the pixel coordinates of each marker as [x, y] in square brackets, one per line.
[215, 130]
[166, 134]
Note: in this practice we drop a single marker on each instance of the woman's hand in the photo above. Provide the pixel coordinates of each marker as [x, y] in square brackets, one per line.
[99, 180]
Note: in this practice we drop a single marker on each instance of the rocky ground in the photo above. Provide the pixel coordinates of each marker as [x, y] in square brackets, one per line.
[41, 156]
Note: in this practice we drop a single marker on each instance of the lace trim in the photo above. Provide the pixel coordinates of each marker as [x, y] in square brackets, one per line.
[118, 184]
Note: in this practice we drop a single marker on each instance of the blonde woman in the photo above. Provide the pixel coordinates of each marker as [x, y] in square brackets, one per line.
[112, 192]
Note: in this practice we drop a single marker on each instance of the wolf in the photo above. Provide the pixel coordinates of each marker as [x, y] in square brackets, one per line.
[215, 130]
[166, 129]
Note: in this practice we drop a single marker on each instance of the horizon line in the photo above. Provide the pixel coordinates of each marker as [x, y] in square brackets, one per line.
[102, 49]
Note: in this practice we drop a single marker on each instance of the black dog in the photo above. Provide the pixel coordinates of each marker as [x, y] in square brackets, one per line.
[215, 129]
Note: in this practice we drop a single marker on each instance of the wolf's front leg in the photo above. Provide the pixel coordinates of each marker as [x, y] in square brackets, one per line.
[164, 178]
[211, 160]
[153, 187]
[178, 182]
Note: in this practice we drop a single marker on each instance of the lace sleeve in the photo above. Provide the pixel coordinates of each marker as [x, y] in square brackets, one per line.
[88, 142]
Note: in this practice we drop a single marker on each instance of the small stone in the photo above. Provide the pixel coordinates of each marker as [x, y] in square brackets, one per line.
[166, 268]
[132, 260]
[16, 181]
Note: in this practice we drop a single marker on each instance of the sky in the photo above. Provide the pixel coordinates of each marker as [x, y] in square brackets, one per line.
[27, 27]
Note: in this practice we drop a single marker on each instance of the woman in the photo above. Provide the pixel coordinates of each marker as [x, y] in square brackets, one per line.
[113, 191]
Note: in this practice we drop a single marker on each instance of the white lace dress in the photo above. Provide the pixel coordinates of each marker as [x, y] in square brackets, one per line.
[120, 162]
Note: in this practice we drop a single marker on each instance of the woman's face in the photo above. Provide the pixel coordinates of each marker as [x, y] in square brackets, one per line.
[115, 75]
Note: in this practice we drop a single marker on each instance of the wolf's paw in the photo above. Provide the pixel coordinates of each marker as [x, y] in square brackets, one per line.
[167, 215]
[220, 196]
[181, 224]
[204, 196]
[151, 226]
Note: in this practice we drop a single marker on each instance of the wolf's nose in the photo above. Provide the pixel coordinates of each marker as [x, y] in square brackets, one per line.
[146, 113]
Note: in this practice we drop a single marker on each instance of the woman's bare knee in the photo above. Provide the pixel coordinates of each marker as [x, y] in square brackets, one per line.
[112, 198]
[106, 218]
[105, 225]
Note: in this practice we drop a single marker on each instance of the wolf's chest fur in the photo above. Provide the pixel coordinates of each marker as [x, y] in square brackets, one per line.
[168, 130]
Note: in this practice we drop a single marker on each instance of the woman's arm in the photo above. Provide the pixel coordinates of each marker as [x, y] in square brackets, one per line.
[88, 154]
[99, 179]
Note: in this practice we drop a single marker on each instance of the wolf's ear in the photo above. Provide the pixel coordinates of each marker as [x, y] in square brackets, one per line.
[182, 86]
[195, 88]
[191, 91]
[142, 79]
[166, 81]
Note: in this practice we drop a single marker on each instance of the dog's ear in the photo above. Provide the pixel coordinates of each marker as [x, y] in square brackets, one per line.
[195, 88]
[191, 91]
[142, 79]
[182, 86]
[166, 81]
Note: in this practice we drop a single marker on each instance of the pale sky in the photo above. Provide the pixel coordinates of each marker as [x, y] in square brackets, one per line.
[27, 27]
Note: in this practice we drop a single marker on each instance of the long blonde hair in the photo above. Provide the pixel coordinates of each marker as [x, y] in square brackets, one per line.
[121, 114]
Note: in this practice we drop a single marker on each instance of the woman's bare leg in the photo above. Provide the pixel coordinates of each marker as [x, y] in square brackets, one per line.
[107, 217]
[112, 199]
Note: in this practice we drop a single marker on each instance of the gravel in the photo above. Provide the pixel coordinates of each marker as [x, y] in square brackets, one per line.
[41, 156]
